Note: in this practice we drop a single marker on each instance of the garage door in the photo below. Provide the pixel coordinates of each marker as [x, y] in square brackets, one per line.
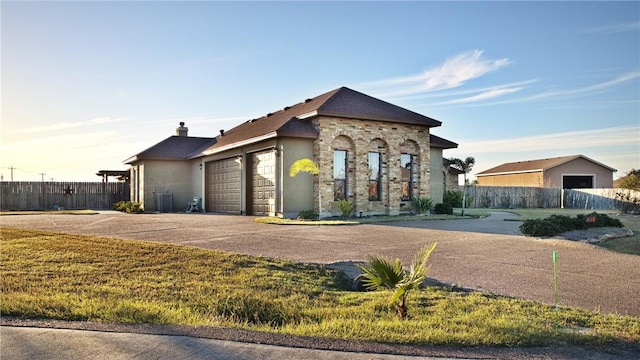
[222, 186]
[262, 185]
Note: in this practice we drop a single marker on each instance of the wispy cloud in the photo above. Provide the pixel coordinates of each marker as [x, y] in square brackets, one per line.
[67, 125]
[615, 28]
[574, 141]
[485, 95]
[556, 94]
[453, 72]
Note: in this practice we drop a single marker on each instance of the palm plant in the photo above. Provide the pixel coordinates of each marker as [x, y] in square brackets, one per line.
[464, 166]
[381, 273]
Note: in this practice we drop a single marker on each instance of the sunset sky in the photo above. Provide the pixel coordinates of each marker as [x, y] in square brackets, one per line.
[86, 85]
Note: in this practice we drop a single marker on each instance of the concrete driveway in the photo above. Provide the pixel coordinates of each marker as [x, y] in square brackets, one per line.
[486, 254]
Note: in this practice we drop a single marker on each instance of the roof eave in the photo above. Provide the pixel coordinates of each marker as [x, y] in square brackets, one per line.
[510, 172]
[434, 123]
[234, 145]
[131, 160]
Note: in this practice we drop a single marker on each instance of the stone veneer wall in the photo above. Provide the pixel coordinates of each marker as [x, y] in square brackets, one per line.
[359, 137]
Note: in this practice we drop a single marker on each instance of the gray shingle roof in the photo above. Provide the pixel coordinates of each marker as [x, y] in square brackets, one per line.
[536, 165]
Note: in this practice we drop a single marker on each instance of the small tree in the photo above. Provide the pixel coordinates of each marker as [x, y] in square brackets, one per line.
[382, 273]
[630, 181]
[464, 166]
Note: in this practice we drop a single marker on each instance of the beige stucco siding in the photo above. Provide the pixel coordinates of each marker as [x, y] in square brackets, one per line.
[437, 176]
[165, 176]
[295, 193]
[603, 177]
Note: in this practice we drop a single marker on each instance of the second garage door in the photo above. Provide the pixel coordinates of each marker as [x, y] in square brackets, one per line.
[223, 186]
[261, 186]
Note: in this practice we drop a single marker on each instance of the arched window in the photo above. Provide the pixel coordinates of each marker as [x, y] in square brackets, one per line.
[375, 176]
[410, 168]
[407, 164]
[339, 174]
[343, 150]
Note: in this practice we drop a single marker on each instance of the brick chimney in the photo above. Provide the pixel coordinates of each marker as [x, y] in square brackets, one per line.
[182, 130]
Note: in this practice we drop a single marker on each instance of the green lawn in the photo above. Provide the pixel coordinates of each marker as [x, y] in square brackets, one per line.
[83, 278]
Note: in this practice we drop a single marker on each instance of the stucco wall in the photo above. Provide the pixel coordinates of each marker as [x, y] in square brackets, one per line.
[437, 176]
[358, 136]
[603, 177]
[158, 176]
[296, 193]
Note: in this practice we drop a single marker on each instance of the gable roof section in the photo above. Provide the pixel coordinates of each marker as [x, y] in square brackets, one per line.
[438, 142]
[173, 148]
[292, 120]
[535, 165]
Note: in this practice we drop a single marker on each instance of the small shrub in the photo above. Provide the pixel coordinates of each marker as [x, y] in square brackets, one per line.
[308, 215]
[595, 220]
[441, 208]
[128, 207]
[558, 224]
[346, 207]
[541, 227]
[421, 204]
[452, 198]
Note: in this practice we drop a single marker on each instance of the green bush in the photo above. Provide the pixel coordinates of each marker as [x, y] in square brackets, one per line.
[421, 204]
[128, 207]
[596, 220]
[308, 215]
[441, 208]
[453, 198]
[558, 224]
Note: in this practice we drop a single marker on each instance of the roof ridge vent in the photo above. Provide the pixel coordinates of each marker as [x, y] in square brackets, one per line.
[269, 114]
[287, 108]
[308, 100]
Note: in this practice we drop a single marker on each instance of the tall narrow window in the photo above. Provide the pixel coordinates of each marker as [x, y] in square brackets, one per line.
[339, 174]
[406, 161]
[375, 176]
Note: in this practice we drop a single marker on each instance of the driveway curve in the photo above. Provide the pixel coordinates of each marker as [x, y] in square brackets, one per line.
[487, 254]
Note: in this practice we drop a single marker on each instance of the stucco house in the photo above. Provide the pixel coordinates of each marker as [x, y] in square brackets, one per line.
[375, 154]
[568, 172]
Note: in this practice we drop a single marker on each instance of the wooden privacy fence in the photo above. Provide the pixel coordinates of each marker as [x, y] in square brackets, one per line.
[506, 197]
[67, 195]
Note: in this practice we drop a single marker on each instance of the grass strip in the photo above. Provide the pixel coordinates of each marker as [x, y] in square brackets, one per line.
[49, 212]
[73, 277]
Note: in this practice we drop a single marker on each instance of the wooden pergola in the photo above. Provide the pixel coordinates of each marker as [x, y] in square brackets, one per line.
[122, 175]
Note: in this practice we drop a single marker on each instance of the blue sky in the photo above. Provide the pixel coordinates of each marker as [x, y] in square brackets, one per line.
[86, 85]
